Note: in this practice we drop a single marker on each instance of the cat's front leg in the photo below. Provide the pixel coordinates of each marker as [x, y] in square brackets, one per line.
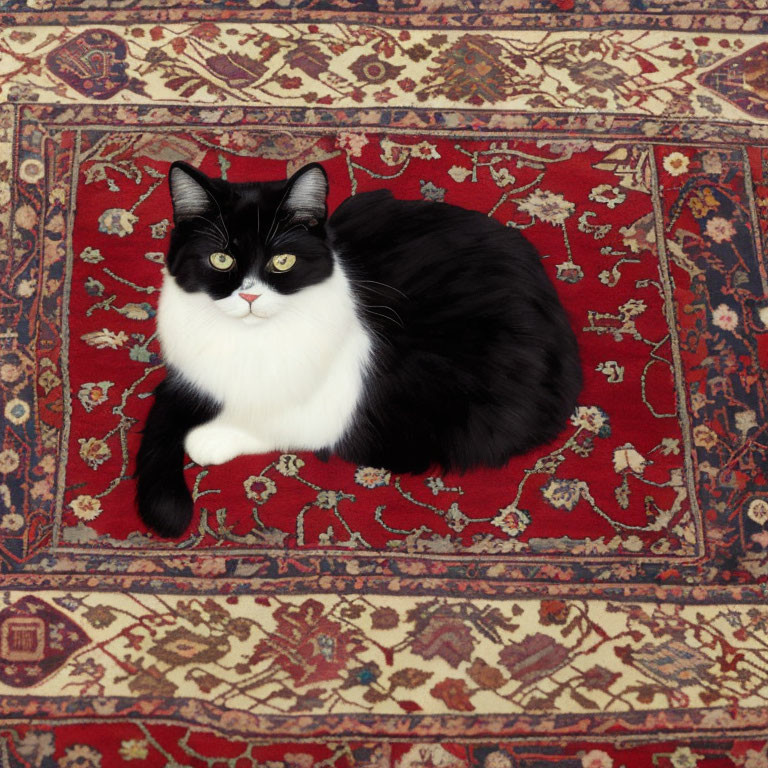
[164, 501]
[218, 442]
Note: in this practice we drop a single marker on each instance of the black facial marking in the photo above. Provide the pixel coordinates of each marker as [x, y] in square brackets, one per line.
[251, 222]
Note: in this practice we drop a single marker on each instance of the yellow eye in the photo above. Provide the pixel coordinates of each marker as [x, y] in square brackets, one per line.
[222, 261]
[281, 263]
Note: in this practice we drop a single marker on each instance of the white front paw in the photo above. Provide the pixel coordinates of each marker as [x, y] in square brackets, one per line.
[211, 445]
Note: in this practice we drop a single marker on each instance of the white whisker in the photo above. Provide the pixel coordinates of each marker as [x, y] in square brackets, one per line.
[222, 233]
[369, 309]
[278, 237]
[385, 285]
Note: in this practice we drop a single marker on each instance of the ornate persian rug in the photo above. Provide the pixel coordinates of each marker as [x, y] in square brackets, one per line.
[600, 603]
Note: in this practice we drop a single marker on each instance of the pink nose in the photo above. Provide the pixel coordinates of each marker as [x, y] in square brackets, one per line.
[249, 297]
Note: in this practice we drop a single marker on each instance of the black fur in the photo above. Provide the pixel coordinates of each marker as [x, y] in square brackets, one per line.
[479, 361]
[474, 360]
[162, 496]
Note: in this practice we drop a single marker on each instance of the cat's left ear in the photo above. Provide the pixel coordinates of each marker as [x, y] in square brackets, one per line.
[307, 190]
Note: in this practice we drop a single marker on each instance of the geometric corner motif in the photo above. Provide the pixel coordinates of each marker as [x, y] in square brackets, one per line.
[743, 80]
[35, 640]
[93, 63]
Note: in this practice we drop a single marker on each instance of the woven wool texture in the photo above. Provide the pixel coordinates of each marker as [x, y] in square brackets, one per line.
[598, 603]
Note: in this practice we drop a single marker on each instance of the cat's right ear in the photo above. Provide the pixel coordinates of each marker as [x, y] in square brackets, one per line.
[191, 192]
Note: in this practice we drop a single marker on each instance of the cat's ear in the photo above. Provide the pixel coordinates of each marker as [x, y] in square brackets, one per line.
[191, 192]
[307, 190]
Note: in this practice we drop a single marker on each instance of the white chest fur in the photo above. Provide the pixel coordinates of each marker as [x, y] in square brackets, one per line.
[288, 378]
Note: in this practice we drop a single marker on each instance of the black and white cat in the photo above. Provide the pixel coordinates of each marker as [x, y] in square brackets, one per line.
[396, 334]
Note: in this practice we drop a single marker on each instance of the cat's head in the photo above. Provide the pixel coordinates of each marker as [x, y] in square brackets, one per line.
[249, 247]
